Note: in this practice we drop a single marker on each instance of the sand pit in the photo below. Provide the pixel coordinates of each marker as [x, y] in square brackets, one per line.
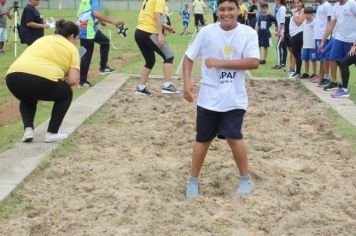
[125, 172]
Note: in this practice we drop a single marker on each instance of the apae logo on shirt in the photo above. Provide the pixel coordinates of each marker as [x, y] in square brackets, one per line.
[227, 76]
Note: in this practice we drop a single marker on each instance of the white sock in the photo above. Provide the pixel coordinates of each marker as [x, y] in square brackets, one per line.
[166, 84]
[141, 87]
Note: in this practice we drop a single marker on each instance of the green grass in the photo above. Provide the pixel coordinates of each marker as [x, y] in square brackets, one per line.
[343, 128]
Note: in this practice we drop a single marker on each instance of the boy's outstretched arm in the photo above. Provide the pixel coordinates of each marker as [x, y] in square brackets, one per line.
[240, 64]
[188, 86]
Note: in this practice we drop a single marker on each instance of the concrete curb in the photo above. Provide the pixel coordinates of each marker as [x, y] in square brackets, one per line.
[21, 160]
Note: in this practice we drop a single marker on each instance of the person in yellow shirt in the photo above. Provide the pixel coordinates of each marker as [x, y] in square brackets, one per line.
[46, 71]
[150, 39]
[199, 9]
[242, 17]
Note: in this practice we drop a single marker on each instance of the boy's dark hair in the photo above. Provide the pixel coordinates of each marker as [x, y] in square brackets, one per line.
[234, 1]
[66, 28]
[283, 2]
[309, 10]
[264, 5]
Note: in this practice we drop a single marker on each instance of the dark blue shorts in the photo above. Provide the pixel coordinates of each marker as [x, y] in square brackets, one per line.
[339, 50]
[308, 54]
[211, 124]
[263, 39]
[185, 24]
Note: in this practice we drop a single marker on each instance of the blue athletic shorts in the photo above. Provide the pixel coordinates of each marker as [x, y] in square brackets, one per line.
[308, 54]
[185, 24]
[317, 53]
[339, 50]
[325, 55]
[263, 38]
[211, 124]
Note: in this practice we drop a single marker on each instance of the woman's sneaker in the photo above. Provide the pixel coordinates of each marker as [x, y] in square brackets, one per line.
[106, 70]
[294, 76]
[85, 84]
[170, 90]
[331, 86]
[51, 138]
[144, 92]
[28, 135]
[341, 93]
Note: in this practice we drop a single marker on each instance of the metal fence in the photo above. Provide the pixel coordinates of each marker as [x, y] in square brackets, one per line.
[105, 4]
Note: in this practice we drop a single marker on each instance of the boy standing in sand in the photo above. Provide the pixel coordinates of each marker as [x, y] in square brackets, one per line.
[227, 49]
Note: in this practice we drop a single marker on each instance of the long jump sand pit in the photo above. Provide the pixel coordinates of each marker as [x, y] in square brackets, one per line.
[124, 172]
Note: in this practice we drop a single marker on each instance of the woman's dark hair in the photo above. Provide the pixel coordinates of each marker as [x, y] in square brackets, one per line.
[302, 1]
[234, 1]
[66, 28]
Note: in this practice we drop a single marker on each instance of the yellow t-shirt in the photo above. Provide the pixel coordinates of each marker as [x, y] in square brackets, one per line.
[49, 57]
[146, 19]
[199, 6]
[243, 9]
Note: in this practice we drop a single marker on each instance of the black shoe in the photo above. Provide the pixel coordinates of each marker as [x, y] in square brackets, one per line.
[262, 62]
[85, 84]
[304, 76]
[144, 92]
[106, 70]
[331, 86]
[323, 82]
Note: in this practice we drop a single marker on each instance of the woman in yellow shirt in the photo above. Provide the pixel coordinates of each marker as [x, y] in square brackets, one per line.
[150, 39]
[46, 71]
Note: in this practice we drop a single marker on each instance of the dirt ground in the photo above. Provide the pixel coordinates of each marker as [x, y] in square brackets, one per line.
[125, 172]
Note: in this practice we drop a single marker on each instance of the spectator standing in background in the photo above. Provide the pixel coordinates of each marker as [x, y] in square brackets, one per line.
[308, 53]
[199, 9]
[32, 26]
[322, 17]
[4, 13]
[343, 19]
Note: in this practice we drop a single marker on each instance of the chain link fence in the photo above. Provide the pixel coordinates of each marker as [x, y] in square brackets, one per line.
[105, 4]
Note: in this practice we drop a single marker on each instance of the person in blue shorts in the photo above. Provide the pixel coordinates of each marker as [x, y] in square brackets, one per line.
[185, 19]
[308, 53]
[264, 34]
[350, 59]
[343, 16]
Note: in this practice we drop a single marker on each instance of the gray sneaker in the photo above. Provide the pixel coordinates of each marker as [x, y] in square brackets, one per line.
[170, 90]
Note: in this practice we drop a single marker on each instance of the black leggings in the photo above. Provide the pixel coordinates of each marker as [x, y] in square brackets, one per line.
[30, 88]
[147, 43]
[281, 51]
[297, 45]
[88, 44]
[344, 67]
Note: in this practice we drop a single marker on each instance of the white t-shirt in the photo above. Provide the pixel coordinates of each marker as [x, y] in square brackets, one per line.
[281, 17]
[222, 89]
[345, 16]
[308, 34]
[294, 29]
[321, 19]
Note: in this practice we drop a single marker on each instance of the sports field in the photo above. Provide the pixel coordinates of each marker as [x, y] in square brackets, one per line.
[124, 171]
